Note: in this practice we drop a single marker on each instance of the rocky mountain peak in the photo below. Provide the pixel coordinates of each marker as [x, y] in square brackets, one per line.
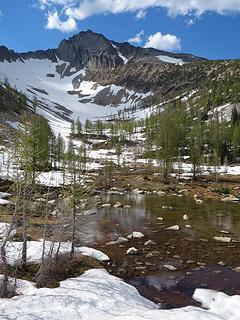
[89, 49]
[94, 51]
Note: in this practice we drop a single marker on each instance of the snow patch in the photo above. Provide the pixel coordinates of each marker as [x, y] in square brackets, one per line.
[171, 60]
[34, 251]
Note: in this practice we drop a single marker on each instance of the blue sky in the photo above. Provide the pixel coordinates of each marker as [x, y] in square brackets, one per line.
[203, 29]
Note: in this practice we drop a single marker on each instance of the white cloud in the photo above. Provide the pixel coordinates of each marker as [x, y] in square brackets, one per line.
[137, 39]
[54, 22]
[48, 3]
[82, 9]
[141, 14]
[163, 42]
[190, 22]
[1, 14]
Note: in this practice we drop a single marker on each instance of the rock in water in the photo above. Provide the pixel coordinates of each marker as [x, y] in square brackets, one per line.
[150, 243]
[176, 228]
[161, 193]
[170, 268]
[106, 205]
[118, 205]
[230, 198]
[132, 251]
[167, 208]
[223, 239]
[135, 234]
[121, 240]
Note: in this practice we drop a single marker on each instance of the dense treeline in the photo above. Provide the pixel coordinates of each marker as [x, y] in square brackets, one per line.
[176, 134]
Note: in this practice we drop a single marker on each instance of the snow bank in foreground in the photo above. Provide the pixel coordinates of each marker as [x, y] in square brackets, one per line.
[4, 229]
[98, 295]
[219, 303]
[34, 251]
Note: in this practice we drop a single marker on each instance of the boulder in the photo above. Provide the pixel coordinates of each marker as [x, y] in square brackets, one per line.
[111, 243]
[118, 205]
[223, 239]
[161, 193]
[176, 228]
[106, 205]
[150, 243]
[122, 240]
[132, 251]
[167, 208]
[170, 268]
[135, 234]
[230, 198]
[138, 191]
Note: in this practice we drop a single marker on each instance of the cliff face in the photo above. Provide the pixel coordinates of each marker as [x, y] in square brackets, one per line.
[88, 49]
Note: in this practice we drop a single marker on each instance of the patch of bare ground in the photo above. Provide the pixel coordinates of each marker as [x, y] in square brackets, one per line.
[53, 270]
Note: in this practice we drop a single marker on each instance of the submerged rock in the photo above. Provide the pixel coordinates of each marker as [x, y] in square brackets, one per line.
[185, 217]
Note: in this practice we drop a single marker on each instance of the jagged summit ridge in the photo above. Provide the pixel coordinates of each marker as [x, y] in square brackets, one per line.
[89, 49]
[94, 51]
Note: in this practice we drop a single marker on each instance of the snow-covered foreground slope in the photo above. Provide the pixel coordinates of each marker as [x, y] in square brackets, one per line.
[98, 295]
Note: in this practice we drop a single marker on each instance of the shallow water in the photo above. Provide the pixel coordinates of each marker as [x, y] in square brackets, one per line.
[208, 219]
[201, 261]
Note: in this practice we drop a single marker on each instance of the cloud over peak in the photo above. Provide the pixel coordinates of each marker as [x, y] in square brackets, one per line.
[82, 9]
[54, 22]
[167, 42]
[137, 39]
